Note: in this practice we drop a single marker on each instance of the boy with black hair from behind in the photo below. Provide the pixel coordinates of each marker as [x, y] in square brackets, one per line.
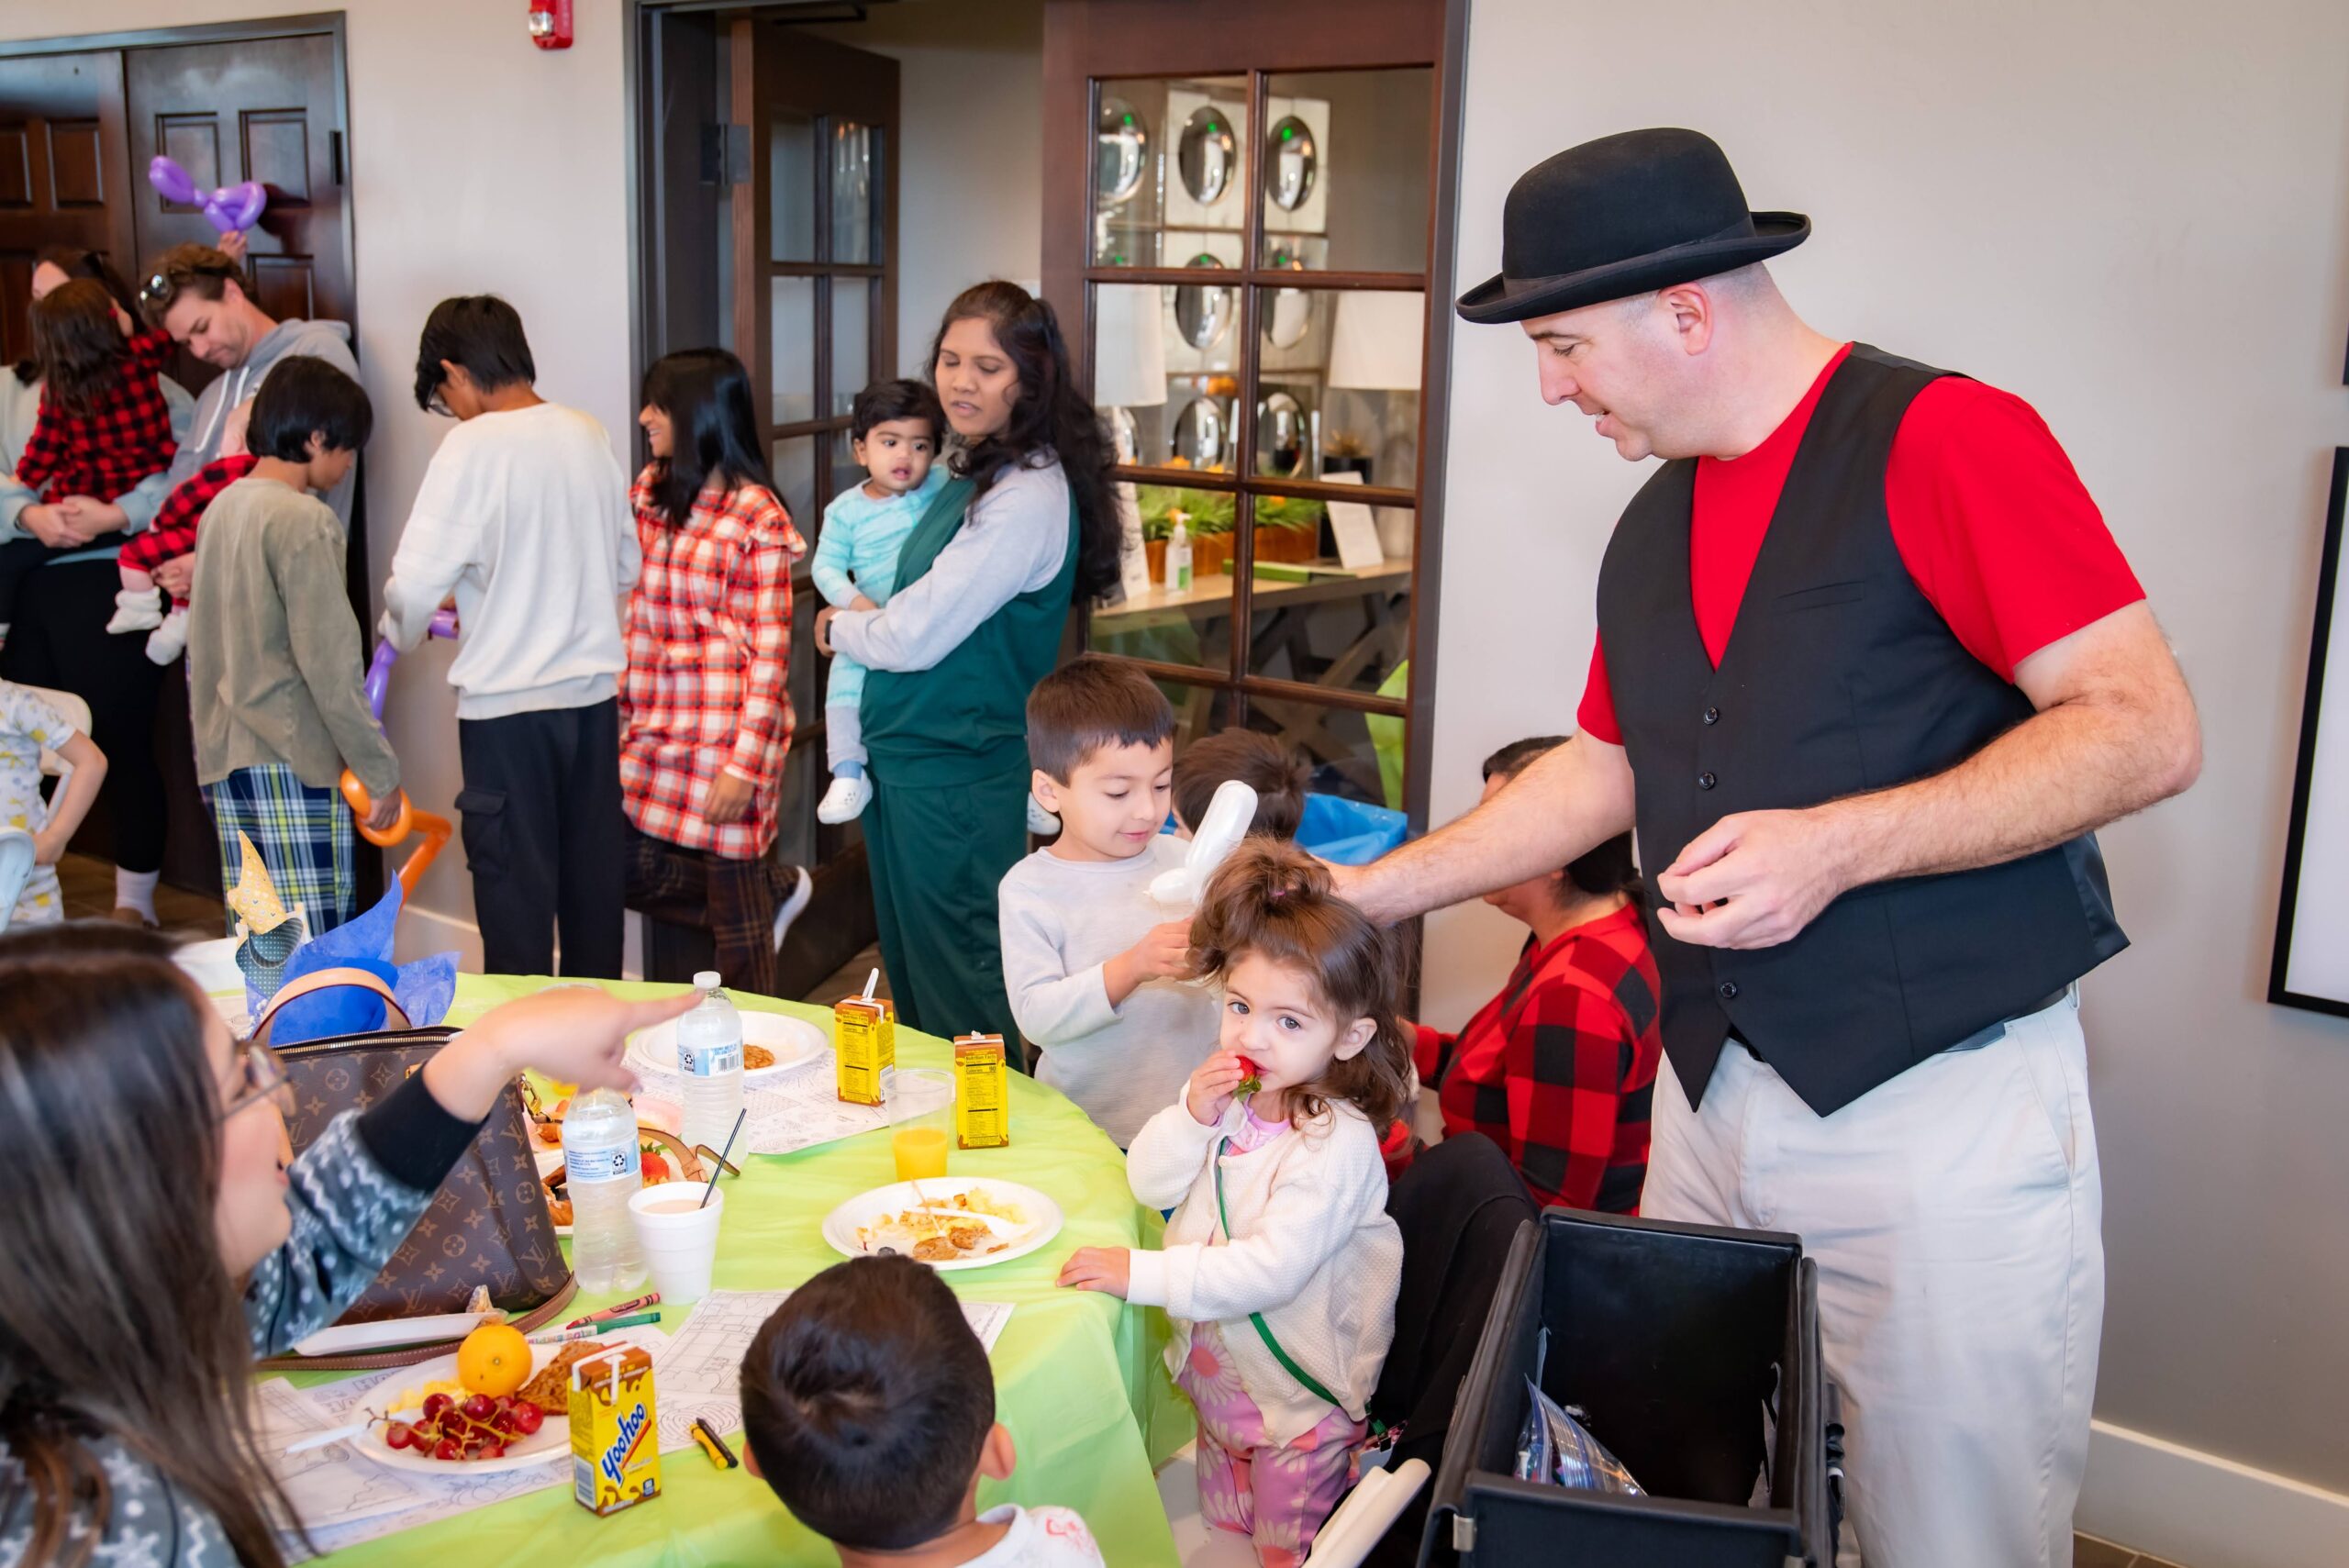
[274, 652]
[868, 1405]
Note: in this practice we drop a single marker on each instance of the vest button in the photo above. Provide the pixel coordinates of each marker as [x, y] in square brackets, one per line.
[1706, 779]
[1728, 989]
[1712, 715]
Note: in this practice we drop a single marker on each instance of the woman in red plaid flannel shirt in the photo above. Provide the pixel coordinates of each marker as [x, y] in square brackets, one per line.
[1558, 1067]
[705, 718]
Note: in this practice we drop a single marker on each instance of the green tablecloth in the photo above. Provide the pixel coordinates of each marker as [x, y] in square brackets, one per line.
[1078, 1376]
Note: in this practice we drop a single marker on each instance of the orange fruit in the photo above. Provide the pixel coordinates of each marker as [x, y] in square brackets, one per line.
[493, 1359]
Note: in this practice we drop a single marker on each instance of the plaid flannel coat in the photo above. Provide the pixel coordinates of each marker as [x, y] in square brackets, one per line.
[125, 437]
[1558, 1069]
[709, 633]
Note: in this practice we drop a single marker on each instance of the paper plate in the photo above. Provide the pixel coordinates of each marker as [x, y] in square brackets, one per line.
[551, 1441]
[1043, 1214]
[794, 1041]
[356, 1339]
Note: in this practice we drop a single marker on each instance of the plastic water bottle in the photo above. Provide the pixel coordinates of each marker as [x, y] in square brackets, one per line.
[709, 1054]
[599, 1152]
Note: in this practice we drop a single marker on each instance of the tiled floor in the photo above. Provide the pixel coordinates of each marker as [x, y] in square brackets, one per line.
[2087, 1551]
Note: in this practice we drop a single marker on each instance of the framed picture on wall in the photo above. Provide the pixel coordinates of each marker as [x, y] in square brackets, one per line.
[2311, 963]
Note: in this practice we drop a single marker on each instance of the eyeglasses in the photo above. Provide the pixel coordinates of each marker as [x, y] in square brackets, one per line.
[264, 1079]
[439, 404]
[160, 287]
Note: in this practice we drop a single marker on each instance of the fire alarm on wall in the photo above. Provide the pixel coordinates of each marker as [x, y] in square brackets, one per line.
[551, 23]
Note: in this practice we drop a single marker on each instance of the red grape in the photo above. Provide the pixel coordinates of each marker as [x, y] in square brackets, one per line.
[528, 1419]
[504, 1402]
[435, 1406]
[478, 1407]
[447, 1449]
[399, 1435]
[495, 1450]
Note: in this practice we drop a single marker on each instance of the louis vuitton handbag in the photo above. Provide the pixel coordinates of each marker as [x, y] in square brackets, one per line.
[488, 1226]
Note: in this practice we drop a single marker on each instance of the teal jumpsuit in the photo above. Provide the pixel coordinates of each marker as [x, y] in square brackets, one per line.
[948, 761]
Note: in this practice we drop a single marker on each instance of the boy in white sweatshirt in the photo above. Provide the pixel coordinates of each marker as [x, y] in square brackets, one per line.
[1097, 969]
[524, 516]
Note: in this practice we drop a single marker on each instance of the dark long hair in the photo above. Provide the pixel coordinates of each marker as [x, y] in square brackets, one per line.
[1051, 413]
[79, 261]
[1606, 868]
[77, 347]
[713, 429]
[118, 1317]
[1272, 899]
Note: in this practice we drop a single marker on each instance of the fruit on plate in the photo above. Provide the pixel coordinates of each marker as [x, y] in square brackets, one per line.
[655, 1168]
[493, 1359]
[481, 1427]
[1253, 1081]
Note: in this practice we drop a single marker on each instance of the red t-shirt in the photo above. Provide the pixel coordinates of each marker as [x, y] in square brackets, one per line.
[1994, 525]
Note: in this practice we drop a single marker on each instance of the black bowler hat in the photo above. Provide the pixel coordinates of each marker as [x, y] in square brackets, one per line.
[1641, 210]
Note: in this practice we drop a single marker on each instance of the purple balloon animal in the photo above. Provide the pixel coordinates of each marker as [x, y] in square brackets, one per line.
[230, 208]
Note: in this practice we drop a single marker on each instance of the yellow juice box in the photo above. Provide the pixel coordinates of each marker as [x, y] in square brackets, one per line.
[614, 1431]
[982, 1092]
[864, 1049]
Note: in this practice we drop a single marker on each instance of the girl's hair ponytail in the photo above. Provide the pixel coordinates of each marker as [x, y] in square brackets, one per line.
[1272, 899]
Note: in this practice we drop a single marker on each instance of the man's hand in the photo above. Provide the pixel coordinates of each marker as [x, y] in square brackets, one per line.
[387, 812]
[728, 799]
[233, 245]
[1105, 1269]
[1754, 880]
[177, 575]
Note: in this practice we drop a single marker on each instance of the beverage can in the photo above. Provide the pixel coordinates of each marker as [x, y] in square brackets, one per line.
[864, 1049]
[983, 1091]
[614, 1431]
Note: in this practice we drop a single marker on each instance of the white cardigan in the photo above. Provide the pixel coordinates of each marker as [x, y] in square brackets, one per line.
[1312, 1249]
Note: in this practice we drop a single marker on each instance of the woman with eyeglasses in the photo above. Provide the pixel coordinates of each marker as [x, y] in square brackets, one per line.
[157, 1240]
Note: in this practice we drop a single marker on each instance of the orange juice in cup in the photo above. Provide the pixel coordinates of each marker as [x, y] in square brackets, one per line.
[921, 1121]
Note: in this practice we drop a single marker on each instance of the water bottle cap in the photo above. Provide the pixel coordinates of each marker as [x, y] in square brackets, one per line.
[706, 981]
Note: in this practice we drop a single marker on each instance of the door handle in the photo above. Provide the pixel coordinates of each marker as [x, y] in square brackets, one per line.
[334, 157]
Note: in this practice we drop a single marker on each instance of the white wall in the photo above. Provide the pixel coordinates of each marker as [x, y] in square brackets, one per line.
[2137, 216]
[971, 86]
[479, 163]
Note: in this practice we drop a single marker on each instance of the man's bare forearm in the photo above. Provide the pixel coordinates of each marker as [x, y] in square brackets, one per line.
[1563, 805]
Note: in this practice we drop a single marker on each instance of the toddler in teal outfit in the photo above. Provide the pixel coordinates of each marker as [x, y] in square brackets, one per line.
[894, 426]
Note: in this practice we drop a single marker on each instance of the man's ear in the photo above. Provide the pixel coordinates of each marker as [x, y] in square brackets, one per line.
[1359, 1033]
[1047, 790]
[999, 1456]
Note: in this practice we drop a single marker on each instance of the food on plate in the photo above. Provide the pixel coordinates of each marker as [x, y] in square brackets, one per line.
[479, 1428]
[549, 1391]
[938, 1232]
[977, 1201]
[558, 1209]
[416, 1398]
[547, 1122]
[755, 1057]
[495, 1360]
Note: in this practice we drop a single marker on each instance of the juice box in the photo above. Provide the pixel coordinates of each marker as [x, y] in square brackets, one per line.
[615, 1432]
[982, 1092]
[864, 1049]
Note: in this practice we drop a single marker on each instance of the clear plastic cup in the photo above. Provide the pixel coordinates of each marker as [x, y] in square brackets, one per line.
[921, 1122]
[679, 1236]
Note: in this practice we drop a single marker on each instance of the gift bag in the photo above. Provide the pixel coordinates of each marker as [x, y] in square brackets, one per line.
[488, 1226]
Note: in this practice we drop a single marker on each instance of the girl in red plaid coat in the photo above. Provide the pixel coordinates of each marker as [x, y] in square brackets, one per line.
[705, 718]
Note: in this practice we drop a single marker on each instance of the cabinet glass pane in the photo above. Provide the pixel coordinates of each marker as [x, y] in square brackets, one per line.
[1345, 170]
[853, 368]
[856, 165]
[791, 188]
[1169, 612]
[1353, 755]
[1337, 376]
[793, 466]
[1332, 603]
[792, 342]
[1170, 159]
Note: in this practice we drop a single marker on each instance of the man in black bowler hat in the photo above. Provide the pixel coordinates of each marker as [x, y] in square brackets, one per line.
[1871, 672]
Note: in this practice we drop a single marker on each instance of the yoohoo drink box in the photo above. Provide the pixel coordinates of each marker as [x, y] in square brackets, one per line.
[982, 1092]
[615, 1432]
[864, 1049]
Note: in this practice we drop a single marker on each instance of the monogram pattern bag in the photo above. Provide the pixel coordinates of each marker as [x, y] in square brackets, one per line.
[488, 1226]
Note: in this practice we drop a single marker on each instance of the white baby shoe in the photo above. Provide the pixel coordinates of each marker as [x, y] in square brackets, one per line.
[169, 640]
[845, 801]
[136, 609]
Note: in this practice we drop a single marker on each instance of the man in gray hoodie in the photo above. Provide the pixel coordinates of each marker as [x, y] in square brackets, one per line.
[197, 295]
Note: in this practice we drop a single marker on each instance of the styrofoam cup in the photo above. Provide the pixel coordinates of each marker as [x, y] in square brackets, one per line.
[680, 1241]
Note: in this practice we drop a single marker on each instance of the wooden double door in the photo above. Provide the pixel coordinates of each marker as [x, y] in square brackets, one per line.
[78, 128]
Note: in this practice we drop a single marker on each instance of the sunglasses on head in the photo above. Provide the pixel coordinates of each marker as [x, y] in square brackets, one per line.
[161, 287]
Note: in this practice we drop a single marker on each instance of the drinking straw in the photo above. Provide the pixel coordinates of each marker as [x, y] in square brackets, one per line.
[871, 981]
[740, 1117]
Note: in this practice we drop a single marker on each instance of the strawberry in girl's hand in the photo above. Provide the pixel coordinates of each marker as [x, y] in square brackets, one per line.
[1254, 1079]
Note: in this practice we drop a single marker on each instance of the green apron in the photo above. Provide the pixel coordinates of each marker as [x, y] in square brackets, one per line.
[948, 748]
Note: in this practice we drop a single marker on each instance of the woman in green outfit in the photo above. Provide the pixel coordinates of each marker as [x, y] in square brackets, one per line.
[1027, 527]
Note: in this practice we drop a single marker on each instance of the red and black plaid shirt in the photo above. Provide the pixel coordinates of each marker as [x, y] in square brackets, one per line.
[173, 533]
[122, 438]
[1559, 1067]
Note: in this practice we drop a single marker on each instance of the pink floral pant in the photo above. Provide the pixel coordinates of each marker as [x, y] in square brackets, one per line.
[1277, 1497]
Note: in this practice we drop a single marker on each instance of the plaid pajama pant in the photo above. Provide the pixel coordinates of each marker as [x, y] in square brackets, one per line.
[697, 901]
[303, 835]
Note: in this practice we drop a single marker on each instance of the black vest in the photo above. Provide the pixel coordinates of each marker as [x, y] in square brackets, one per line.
[1840, 677]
